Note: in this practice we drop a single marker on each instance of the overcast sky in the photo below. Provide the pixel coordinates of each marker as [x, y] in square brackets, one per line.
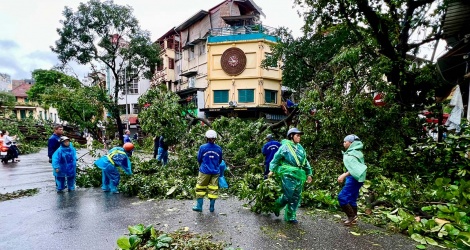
[28, 27]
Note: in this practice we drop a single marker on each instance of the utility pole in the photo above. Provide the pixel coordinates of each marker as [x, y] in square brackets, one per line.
[127, 113]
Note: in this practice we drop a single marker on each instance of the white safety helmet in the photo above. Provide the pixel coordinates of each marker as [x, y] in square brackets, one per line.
[64, 138]
[211, 134]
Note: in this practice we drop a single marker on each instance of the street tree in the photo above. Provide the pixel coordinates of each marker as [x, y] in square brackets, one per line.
[7, 102]
[77, 104]
[352, 50]
[165, 117]
[108, 38]
[397, 32]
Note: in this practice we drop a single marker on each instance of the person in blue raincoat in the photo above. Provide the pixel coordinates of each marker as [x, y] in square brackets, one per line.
[291, 166]
[64, 165]
[354, 174]
[116, 156]
[162, 155]
[268, 150]
[209, 158]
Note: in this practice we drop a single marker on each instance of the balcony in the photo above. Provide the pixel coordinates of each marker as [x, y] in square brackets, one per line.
[238, 33]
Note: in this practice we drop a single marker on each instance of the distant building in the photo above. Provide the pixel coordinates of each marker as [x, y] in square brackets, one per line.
[128, 96]
[26, 109]
[5, 82]
[16, 83]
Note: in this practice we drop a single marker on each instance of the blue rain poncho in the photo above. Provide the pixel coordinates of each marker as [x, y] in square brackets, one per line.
[108, 164]
[291, 166]
[64, 159]
[222, 182]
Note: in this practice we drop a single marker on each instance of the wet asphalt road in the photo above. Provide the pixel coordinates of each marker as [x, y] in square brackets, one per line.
[91, 219]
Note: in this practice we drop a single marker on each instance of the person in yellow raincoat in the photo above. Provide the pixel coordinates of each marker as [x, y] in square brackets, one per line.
[291, 166]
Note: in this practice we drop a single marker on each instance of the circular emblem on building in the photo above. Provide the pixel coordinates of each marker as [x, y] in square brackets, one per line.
[233, 61]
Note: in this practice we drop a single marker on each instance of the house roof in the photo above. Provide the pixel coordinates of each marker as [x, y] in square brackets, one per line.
[20, 91]
[196, 17]
[202, 13]
[167, 34]
[455, 24]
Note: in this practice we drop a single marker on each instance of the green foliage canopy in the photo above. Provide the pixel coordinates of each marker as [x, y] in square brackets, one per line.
[107, 36]
[76, 104]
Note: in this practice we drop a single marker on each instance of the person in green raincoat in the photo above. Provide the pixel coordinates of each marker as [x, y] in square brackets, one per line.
[291, 166]
[355, 175]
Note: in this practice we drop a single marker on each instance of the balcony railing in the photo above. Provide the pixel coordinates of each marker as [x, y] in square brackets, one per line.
[238, 30]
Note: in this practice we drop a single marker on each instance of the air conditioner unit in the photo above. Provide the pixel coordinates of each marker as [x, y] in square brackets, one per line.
[191, 82]
[232, 103]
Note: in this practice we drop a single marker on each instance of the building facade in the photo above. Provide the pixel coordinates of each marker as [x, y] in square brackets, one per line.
[26, 109]
[198, 74]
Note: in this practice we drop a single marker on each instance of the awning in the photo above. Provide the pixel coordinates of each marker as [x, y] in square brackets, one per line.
[133, 120]
[453, 65]
[189, 73]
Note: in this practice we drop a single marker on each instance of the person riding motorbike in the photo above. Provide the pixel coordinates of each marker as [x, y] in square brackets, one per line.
[10, 142]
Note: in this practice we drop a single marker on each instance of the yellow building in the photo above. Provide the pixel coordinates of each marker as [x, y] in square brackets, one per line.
[26, 109]
[198, 47]
[237, 84]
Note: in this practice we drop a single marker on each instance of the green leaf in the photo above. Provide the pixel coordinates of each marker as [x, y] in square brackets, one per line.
[162, 245]
[443, 208]
[123, 242]
[171, 190]
[430, 241]
[418, 238]
[134, 240]
[421, 246]
[394, 218]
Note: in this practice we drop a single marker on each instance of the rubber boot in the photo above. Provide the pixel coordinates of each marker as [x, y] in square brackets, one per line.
[211, 207]
[198, 207]
[352, 217]
[355, 210]
[355, 213]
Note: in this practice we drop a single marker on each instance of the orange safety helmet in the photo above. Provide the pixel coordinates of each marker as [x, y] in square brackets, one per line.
[128, 146]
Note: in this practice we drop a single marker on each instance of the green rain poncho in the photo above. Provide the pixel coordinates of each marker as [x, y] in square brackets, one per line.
[353, 160]
[291, 165]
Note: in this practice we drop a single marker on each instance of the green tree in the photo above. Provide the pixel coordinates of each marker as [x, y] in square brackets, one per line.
[7, 101]
[165, 116]
[388, 30]
[107, 37]
[76, 104]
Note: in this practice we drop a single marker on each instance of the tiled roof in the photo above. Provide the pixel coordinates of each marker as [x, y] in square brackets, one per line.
[20, 91]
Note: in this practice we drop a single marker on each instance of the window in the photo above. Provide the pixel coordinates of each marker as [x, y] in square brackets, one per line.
[270, 96]
[23, 114]
[40, 115]
[160, 67]
[202, 49]
[246, 95]
[133, 83]
[171, 63]
[133, 87]
[220, 96]
[191, 53]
